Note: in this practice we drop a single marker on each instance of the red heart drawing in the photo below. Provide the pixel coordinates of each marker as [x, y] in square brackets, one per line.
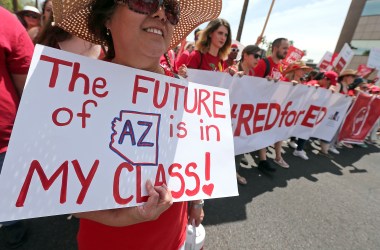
[207, 189]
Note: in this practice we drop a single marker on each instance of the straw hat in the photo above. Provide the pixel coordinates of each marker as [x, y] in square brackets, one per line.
[348, 72]
[297, 65]
[72, 16]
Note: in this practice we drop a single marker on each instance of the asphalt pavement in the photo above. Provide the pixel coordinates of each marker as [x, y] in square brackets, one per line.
[316, 204]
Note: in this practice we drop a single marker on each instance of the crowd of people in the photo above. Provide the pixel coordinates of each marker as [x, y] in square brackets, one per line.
[145, 35]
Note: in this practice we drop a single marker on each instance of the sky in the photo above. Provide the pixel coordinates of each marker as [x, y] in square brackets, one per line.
[313, 25]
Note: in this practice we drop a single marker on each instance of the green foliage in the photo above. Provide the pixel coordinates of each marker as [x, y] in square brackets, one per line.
[7, 4]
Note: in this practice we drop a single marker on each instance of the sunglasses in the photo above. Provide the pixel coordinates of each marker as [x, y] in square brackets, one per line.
[234, 50]
[149, 7]
[257, 56]
[34, 16]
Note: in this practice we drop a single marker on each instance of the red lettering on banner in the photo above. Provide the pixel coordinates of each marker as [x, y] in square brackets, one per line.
[85, 182]
[216, 102]
[139, 197]
[172, 173]
[116, 184]
[176, 95]
[55, 115]
[201, 97]
[259, 117]
[160, 176]
[189, 173]
[46, 182]
[309, 119]
[284, 113]
[277, 108]
[244, 120]
[56, 62]
[75, 76]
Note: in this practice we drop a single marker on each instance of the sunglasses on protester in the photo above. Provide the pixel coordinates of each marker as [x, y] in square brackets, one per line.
[234, 50]
[31, 15]
[149, 7]
[257, 56]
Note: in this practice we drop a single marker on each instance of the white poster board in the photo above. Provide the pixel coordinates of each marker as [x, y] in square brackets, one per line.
[344, 58]
[325, 62]
[89, 134]
[374, 58]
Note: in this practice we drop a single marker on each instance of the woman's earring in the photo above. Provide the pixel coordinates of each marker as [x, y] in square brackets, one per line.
[108, 32]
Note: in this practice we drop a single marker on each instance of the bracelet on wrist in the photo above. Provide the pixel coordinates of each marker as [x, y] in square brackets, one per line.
[198, 205]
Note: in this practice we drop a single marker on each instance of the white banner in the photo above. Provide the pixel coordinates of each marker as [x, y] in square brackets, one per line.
[89, 134]
[265, 112]
[374, 58]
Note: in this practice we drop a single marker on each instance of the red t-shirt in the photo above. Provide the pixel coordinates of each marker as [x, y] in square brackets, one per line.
[167, 232]
[182, 59]
[275, 71]
[205, 62]
[16, 50]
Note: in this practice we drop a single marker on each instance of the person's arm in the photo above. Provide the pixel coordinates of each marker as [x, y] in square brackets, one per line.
[19, 82]
[160, 199]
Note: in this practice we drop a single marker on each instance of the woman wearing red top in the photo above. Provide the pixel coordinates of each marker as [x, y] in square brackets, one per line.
[137, 33]
[212, 47]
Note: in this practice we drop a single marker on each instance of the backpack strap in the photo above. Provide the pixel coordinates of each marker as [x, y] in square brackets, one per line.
[267, 67]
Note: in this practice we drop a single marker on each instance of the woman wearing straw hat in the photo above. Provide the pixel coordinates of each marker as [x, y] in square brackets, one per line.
[293, 73]
[137, 33]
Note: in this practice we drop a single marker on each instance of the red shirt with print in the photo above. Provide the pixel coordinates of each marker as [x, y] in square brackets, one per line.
[16, 51]
[167, 232]
[275, 71]
[205, 62]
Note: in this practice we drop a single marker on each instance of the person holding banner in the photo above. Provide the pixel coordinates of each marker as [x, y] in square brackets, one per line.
[16, 50]
[270, 68]
[293, 73]
[212, 47]
[249, 58]
[137, 33]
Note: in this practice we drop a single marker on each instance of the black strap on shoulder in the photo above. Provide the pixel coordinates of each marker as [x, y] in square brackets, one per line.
[267, 67]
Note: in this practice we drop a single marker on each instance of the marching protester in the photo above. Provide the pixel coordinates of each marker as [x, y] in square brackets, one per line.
[249, 58]
[270, 68]
[30, 17]
[231, 59]
[16, 50]
[294, 73]
[47, 13]
[137, 34]
[212, 47]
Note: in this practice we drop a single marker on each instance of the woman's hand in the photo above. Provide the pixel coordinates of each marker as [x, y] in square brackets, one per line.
[196, 213]
[160, 199]
[182, 71]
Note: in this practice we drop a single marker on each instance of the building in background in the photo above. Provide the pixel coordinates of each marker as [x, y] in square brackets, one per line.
[361, 30]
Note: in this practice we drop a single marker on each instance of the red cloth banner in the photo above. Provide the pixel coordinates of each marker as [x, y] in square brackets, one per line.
[364, 70]
[360, 119]
[293, 55]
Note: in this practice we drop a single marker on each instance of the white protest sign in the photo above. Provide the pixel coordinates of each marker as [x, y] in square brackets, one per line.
[89, 134]
[374, 58]
[325, 62]
[344, 58]
[264, 112]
